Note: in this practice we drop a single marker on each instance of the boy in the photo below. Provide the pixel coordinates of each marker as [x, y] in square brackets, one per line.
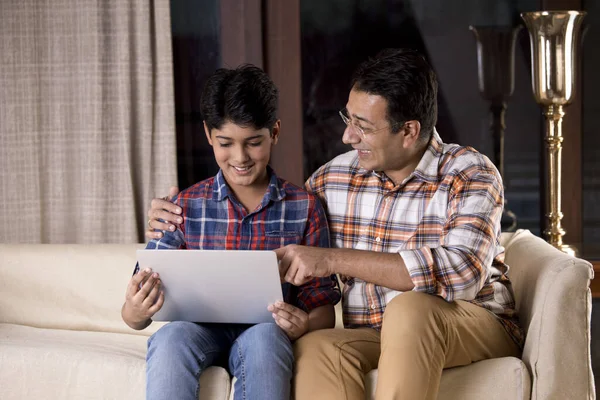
[244, 207]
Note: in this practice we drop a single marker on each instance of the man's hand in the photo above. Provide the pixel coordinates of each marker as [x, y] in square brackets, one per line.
[165, 210]
[143, 299]
[292, 320]
[300, 264]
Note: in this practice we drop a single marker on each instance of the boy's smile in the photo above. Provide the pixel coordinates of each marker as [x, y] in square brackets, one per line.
[242, 170]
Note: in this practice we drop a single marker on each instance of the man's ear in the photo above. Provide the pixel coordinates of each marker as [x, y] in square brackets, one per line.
[207, 133]
[411, 132]
[275, 131]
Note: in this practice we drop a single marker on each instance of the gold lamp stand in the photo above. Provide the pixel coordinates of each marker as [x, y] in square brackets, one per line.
[554, 38]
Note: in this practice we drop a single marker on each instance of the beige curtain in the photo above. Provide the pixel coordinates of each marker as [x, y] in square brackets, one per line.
[87, 133]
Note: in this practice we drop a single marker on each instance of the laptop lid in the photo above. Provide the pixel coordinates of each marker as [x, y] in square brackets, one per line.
[219, 286]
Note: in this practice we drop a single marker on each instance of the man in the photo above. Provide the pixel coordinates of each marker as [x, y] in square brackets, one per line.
[415, 226]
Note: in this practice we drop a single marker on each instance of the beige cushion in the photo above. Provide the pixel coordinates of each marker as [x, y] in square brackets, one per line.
[62, 364]
[498, 379]
[80, 287]
[215, 384]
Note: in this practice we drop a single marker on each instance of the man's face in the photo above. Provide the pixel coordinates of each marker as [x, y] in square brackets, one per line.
[243, 153]
[379, 149]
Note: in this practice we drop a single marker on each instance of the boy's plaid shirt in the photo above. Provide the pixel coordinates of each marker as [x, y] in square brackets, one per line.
[443, 220]
[215, 220]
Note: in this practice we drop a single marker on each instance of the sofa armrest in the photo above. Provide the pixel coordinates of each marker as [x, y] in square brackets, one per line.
[553, 301]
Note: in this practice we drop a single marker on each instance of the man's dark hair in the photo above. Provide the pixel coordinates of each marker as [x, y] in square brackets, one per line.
[245, 96]
[406, 80]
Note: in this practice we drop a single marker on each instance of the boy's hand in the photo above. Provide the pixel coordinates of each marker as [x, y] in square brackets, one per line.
[163, 209]
[144, 297]
[292, 320]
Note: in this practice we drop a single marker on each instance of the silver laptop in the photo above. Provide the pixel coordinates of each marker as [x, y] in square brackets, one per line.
[226, 286]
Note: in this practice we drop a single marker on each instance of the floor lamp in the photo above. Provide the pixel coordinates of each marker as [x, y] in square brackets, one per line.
[554, 38]
[496, 71]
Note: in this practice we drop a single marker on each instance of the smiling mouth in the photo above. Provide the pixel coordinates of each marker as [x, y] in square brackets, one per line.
[241, 169]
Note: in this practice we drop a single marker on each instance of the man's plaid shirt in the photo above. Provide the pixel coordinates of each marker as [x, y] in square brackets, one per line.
[443, 220]
[215, 220]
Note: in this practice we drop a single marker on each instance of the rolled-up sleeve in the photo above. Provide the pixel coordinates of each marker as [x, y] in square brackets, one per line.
[459, 267]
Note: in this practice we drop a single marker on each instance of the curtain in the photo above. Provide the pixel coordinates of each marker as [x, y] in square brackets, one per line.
[87, 132]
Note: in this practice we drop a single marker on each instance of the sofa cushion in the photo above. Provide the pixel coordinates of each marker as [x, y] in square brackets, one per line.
[97, 365]
[32, 360]
[498, 379]
[78, 287]
[215, 384]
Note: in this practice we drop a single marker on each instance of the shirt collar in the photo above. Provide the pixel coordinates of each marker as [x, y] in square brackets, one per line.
[427, 168]
[275, 190]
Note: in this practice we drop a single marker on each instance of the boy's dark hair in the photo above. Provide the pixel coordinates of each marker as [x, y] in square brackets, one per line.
[245, 96]
[406, 80]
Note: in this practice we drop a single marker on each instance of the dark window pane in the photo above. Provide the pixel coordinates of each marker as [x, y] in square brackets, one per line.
[196, 55]
[591, 122]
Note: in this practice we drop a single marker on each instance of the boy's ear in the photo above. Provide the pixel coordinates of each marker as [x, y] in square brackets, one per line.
[207, 132]
[275, 131]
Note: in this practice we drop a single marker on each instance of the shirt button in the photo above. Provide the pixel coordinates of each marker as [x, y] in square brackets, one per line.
[378, 239]
[373, 306]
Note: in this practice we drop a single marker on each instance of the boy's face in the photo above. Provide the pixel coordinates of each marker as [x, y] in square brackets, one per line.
[243, 153]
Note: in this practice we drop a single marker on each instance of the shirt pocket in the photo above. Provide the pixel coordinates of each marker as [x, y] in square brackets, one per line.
[276, 239]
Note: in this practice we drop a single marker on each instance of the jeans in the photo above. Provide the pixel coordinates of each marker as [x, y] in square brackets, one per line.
[259, 356]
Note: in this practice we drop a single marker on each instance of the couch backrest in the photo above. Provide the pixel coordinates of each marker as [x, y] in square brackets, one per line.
[541, 274]
[79, 287]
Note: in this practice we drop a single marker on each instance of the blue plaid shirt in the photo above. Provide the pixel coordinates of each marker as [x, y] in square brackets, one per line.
[215, 220]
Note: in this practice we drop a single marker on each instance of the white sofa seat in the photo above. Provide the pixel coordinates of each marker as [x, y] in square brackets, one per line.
[62, 337]
[35, 360]
[497, 379]
[37, 363]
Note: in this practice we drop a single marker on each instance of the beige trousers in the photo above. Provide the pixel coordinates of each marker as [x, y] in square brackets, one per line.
[421, 335]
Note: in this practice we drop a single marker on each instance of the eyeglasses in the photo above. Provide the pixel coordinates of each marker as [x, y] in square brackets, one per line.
[344, 114]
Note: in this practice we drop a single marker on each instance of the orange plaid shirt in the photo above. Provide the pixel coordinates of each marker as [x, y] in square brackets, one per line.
[443, 220]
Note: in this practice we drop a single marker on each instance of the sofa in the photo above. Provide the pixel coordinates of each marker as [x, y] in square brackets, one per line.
[62, 337]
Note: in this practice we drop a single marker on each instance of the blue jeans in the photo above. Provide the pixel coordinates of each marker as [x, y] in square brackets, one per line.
[259, 356]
